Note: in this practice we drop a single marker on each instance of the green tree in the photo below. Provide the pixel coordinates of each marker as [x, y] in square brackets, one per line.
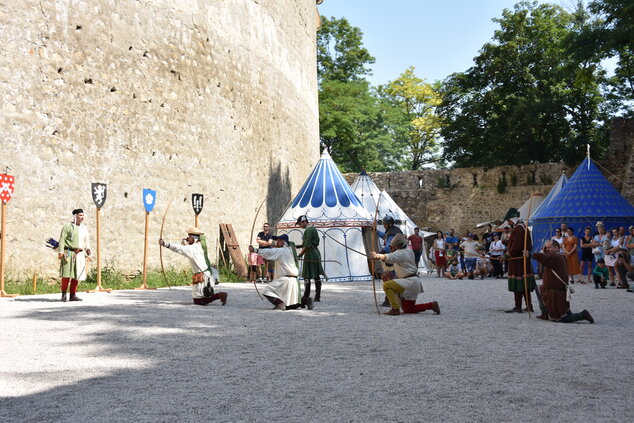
[411, 118]
[612, 35]
[529, 98]
[351, 116]
[340, 52]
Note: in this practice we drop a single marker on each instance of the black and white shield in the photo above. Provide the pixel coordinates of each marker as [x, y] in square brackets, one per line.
[99, 191]
[197, 203]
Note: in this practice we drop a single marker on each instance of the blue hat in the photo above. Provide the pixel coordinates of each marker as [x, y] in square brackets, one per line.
[282, 237]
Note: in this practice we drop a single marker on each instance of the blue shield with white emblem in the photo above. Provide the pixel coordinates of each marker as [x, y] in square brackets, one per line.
[149, 199]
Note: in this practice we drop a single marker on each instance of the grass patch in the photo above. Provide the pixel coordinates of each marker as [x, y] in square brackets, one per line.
[113, 279]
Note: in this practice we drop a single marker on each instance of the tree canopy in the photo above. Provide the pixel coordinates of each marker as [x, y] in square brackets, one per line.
[537, 92]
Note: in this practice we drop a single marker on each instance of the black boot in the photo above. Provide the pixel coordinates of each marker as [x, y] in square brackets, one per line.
[307, 288]
[63, 296]
[307, 302]
[74, 297]
[317, 290]
[386, 303]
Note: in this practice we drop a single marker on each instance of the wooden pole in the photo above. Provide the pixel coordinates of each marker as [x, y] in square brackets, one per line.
[98, 251]
[34, 283]
[3, 250]
[147, 226]
[196, 221]
[98, 288]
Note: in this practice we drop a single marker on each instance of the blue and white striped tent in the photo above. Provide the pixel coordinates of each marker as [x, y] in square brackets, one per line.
[585, 199]
[338, 215]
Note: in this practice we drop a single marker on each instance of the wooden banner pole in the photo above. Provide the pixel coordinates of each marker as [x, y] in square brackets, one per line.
[98, 288]
[98, 251]
[147, 225]
[3, 250]
[196, 221]
[35, 283]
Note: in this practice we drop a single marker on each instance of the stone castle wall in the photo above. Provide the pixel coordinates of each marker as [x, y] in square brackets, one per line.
[215, 97]
[462, 198]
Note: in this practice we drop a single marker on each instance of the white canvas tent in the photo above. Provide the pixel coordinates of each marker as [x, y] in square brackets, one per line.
[530, 206]
[338, 215]
[561, 182]
[370, 195]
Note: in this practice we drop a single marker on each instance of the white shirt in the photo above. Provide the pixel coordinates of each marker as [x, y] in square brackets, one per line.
[196, 256]
[286, 285]
[497, 248]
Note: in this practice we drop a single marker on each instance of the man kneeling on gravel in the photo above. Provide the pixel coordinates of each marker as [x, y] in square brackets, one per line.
[554, 287]
[204, 275]
[404, 289]
[283, 291]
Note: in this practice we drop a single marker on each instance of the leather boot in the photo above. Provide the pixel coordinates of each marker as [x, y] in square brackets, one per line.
[307, 288]
[307, 302]
[317, 290]
[74, 297]
[386, 303]
[518, 303]
[223, 297]
[63, 296]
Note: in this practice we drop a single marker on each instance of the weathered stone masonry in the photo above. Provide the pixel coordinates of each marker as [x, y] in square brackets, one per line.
[210, 96]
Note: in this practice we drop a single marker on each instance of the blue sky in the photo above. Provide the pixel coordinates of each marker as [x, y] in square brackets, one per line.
[436, 37]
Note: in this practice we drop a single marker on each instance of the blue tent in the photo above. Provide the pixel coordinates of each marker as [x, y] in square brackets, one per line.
[561, 182]
[586, 199]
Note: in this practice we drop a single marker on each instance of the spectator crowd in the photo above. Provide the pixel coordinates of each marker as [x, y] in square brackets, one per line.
[600, 256]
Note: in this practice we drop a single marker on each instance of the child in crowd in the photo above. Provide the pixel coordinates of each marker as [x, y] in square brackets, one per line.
[600, 274]
[453, 270]
[255, 264]
[482, 265]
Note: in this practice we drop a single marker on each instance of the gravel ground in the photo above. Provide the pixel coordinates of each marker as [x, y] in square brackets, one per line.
[152, 356]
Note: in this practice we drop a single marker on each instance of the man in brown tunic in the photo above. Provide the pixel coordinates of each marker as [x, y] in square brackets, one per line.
[553, 289]
[516, 277]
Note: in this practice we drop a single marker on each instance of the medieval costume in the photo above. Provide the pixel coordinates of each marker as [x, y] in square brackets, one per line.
[73, 247]
[283, 292]
[312, 268]
[204, 277]
[403, 290]
[391, 230]
[554, 290]
[516, 276]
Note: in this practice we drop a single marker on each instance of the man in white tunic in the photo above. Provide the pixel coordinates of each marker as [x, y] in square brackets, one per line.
[74, 246]
[404, 289]
[283, 292]
[204, 275]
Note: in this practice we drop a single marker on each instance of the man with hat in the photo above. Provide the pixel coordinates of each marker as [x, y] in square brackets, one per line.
[74, 246]
[204, 275]
[312, 268]
[391, 230]
[515, 257]
[283, 292]
[403, 289]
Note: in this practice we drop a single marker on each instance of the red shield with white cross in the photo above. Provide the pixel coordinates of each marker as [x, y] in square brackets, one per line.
[6, 187]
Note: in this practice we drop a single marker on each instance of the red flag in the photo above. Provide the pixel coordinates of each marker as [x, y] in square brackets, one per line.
[6, 187]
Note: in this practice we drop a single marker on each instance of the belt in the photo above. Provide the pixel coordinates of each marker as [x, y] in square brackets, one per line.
[73, 249]
[290, 276]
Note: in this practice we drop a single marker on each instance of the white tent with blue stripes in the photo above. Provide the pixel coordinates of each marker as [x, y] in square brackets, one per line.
[338, 215]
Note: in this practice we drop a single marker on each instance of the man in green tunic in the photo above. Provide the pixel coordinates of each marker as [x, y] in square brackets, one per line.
[312, 268]
[74, 246]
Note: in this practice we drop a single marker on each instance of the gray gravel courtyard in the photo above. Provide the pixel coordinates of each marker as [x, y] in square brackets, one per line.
[152, 356]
